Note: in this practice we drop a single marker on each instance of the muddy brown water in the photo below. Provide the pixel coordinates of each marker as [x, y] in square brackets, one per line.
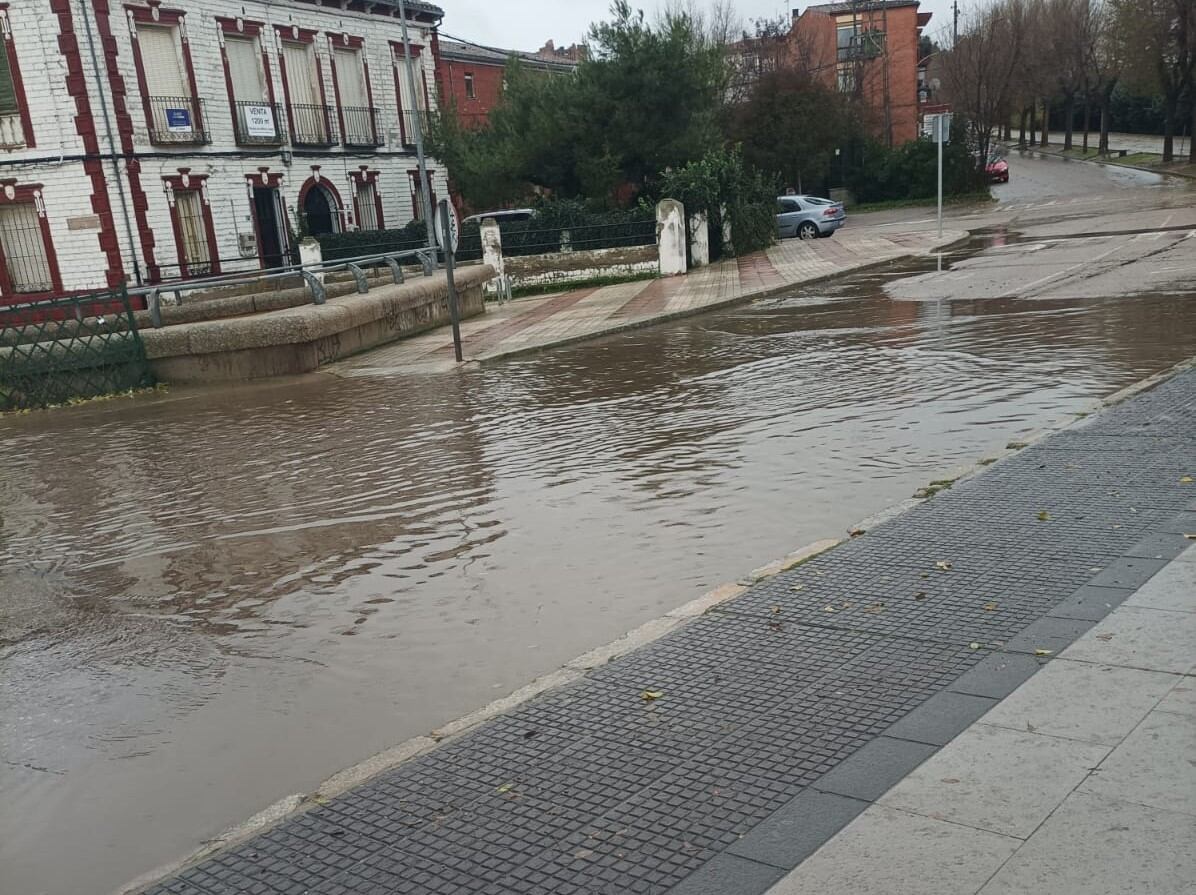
[213, 599]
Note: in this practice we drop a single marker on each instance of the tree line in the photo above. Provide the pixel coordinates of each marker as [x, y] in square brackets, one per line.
[1017, 60]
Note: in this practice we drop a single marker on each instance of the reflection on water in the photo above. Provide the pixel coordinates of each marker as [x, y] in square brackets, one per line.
[215, 599]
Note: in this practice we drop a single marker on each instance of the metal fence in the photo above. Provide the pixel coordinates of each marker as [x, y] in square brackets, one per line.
[65, 348]
[311, 125]
[177, 120]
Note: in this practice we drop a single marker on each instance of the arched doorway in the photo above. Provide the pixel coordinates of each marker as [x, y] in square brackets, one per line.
[320, 211]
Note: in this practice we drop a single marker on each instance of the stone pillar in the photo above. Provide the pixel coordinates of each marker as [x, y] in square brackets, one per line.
[310, 253]
[492, 255]
[670, 237]
[699, 240]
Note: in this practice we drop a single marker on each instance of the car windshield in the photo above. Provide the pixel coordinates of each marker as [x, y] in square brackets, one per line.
[814, 200]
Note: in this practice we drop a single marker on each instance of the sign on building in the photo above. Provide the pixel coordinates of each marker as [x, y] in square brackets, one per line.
[259, 122]
[178, 121]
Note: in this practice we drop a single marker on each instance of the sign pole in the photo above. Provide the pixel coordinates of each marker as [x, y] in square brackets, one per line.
[448, 241]
[938, 130]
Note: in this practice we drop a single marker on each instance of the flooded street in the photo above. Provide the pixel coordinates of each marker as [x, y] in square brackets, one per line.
[211, 600]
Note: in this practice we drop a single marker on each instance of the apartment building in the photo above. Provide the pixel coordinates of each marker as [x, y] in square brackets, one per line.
[149, 141]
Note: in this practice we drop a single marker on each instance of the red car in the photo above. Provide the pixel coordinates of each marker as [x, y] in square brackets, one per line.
[997, 170]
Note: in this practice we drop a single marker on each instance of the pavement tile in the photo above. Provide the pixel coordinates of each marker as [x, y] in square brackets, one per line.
[1183, 523]
[1091, 603]
[941, 718]
[1173, 588]
[729, 873]
[968, 782]
[1162, 545]
[1128, 572]
[871, 771]
[1080, 701]
[1053, 634]
[1182, 698]
[999, 675]
[1097, 846]
[798, 829]
[1154, 766]
[1151, 639]
[891, 852]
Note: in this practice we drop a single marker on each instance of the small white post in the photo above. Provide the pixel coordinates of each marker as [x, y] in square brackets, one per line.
[670, 237]
[310, 253]
[492, 254]
[940, 138]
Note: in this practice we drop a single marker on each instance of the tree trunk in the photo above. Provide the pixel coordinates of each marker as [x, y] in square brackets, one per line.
[1046, 123]
[1106, 99]
[1087, 119]
[1021, 133]
[1033, 123]
[1069, 121]
[1170, 101]
[1192, 132]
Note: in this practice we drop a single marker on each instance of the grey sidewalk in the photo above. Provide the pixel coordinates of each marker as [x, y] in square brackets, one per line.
[1081, 782]
[721, 756]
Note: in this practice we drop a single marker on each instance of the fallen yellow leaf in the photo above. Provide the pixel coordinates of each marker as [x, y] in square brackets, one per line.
[1187, 480]
[1044, 652]
[1044, 516]
[830, 609]
[974, 645]
[943, 566]
[651, 695]
[797, 587]
[506, 787]
[920, 595]
[875, 608]
[776, 610]
[990, 607]
[1191, 537]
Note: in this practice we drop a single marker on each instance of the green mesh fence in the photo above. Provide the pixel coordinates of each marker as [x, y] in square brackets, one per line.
[81, 347]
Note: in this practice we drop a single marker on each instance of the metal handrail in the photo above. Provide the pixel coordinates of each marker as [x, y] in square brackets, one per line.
[311, 274]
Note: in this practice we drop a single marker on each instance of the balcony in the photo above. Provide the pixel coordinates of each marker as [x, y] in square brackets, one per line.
[363, 127]
[408, 118]
[177, 121]
[12, 132]
[311, 125]
[259, 123]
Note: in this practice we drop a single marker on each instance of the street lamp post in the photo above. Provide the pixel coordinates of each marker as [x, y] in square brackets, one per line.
[425, 184]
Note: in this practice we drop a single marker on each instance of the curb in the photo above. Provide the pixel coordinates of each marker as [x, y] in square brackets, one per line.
[949, 241]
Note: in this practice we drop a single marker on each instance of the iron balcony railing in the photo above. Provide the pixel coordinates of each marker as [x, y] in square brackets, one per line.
[408, 118]
[311, 124]
[259, 123]
[177, 120]
[363, 126]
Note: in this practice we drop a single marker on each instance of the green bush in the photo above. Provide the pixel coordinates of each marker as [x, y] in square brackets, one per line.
[354, 244]
[910, 171]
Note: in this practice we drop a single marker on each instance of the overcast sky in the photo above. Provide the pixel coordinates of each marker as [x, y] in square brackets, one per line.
[527, 24]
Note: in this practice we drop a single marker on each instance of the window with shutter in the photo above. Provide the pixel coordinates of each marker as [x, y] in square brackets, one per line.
[195, 253]
[24, 247]
[245, 66]
[160, 59]
[367, 211]
[8, 92]
[308, 115]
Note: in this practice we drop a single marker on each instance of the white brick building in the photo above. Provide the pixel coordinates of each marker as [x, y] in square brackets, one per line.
[152, 140]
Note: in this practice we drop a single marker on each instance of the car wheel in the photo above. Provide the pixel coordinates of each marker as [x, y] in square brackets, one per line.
[808, 230]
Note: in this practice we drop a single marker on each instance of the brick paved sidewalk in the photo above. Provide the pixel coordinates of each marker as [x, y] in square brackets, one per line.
[584, 313]
[722, 754]
[1079, 783]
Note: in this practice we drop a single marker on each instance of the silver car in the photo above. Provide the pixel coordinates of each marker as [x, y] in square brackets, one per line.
[809, 217]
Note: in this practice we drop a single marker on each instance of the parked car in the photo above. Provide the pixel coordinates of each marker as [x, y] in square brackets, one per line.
[503, 216]
[809, 217]
[997, 170]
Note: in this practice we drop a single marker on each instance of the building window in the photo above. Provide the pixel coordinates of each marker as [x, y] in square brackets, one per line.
[16, 126]
[366, 196]
[358, 118]
[191, 227]
[173, 114]
[846, 77]
[26, 264]
[255, 116]
[412, 92]
[470, 91]
[417, 193]
[310, 121]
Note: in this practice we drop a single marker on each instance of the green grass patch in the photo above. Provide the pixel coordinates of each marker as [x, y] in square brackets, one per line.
[569, 286]
[963, 199]
[934, 488]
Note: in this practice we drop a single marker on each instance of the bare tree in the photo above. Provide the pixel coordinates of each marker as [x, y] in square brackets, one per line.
[1104, 64]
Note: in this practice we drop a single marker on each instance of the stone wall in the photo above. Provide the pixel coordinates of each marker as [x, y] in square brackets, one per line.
[566, 267]
[303, 339]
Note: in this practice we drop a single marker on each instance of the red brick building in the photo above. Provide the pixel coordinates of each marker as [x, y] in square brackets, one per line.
[868, 48]
[470, 76]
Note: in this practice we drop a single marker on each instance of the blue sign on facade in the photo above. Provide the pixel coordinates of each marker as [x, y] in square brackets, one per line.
[178, 121]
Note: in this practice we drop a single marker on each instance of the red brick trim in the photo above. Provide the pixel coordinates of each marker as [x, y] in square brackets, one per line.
[14, 68]
[12, 193]
[68, 46]
[186, 182]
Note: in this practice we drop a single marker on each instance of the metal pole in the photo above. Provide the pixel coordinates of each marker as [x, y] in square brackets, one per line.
[418, 127]
[938, 130]
[450, 263]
